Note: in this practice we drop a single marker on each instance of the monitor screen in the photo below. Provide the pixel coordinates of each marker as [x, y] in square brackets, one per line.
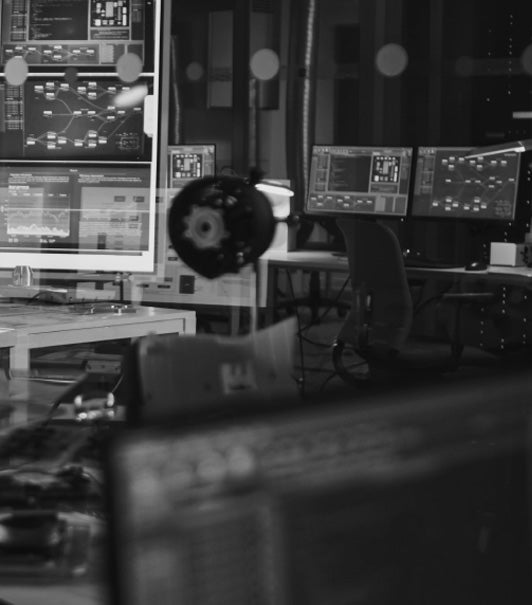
[448, 184]
[188, 162]
[76, 32]
[53, 119]
[359, 180]
[83, 217]
[405, 499]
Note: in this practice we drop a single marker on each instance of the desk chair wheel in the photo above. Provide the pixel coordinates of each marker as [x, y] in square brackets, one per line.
[382, 364]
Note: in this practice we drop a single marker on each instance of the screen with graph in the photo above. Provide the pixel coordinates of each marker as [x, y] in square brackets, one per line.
[92, 217]
[449, 184]
[76, 32]
[359, 180]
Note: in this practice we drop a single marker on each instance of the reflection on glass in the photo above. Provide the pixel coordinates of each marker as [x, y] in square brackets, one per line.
[129, 67]
[264, 64]
[391, 60]
[194, 71]
[16, 71]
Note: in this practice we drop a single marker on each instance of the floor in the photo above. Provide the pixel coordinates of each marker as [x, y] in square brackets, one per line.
[313, 366]
[313, 371]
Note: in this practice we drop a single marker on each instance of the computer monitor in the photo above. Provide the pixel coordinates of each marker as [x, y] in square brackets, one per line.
[96, 217]
[450, 185]
[349, 180]
[419, 499]
[188, 162]
[79, 33]
[53, 119]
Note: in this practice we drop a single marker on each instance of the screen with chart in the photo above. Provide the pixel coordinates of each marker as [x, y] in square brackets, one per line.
[449, 184]
[54, 119]
[188, 162]
[76, 32]
[359, 180]
[93, 217]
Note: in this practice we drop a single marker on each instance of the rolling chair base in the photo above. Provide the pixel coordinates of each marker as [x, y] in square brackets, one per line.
[385, 365]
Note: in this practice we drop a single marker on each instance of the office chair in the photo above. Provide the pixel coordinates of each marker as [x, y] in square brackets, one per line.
[378, 327]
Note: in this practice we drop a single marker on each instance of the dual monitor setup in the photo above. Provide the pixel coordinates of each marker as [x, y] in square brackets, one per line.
[447, 183]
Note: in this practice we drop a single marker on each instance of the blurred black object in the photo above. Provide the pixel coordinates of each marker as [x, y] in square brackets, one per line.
[219, 224]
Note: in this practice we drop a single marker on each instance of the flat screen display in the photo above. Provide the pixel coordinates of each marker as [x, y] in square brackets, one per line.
[359, 180]
[84, 217]
[51, 118]
[188, 162]
[448, 184]
[76, 32]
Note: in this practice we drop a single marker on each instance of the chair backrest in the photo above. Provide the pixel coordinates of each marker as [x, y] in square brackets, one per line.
[382, 309]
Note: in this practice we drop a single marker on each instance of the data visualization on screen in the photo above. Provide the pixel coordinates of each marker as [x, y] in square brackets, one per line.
[187, 162]
[74, 32]
[95, 217]
[359, 180]
[449, 184]
[52, 118]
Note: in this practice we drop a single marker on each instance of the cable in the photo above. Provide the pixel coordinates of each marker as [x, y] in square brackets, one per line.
[301, 352]
[315, 343]
[333, 304]
[336, 373]
[423, 303]
[327, 380]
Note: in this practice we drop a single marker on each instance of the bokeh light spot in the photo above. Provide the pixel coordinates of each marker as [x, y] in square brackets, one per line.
[129, 67]
[194, 71]
[16, 71]
[71, 75]
[391, 60]
[264, 64]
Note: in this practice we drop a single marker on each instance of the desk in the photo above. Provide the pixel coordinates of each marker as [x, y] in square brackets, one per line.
[26, 327]
[318, 260]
